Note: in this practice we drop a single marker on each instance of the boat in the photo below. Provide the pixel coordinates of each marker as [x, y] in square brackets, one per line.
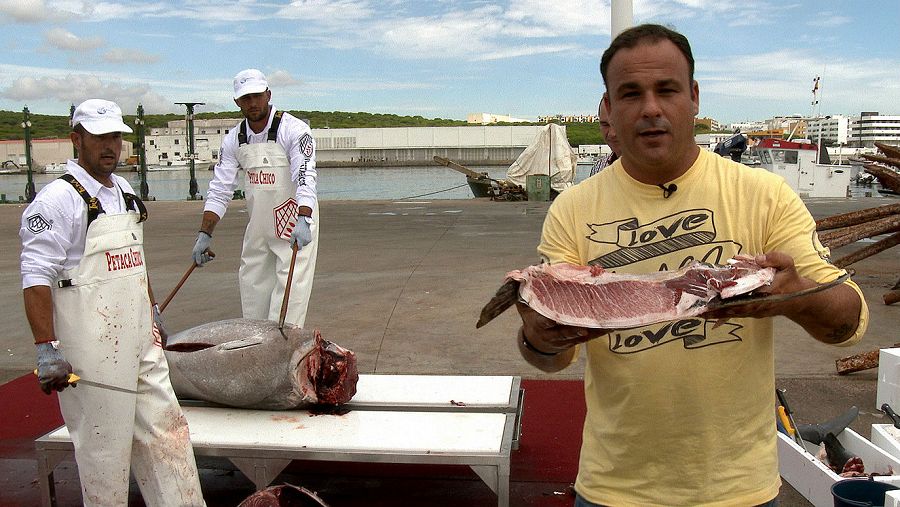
[549, 154]
[797, 164]
[483, 185]
[55, 168]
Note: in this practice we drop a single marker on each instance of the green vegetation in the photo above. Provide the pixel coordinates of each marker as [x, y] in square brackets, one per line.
[583, 133]
[50, 126]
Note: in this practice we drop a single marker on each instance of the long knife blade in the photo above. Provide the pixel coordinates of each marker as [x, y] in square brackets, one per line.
[73, 380]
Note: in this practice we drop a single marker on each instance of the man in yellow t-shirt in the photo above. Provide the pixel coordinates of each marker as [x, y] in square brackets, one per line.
[681, 413]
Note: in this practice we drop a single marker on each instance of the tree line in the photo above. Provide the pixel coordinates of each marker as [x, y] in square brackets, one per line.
[57, 126]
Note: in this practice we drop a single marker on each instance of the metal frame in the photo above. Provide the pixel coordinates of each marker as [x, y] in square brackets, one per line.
[263, 464]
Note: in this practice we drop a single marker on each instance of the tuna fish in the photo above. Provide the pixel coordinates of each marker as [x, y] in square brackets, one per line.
[249, 364]
[286, 495]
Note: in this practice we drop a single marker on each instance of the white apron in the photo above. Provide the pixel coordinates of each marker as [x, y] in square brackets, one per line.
[103, 319]
[266, 255]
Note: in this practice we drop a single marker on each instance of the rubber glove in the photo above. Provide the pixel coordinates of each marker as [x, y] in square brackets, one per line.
[159, 330]
[301, 235]
[53, 369]
[201, 253]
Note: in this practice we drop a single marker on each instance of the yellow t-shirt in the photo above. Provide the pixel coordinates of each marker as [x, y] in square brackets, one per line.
[680, 413]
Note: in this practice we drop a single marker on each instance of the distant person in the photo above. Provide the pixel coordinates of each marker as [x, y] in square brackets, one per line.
[88, 301]
[278, 155]
[609, 135]
[680, 413]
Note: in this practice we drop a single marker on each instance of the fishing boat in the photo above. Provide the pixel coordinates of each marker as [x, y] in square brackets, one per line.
[483, 185]
[798, 164]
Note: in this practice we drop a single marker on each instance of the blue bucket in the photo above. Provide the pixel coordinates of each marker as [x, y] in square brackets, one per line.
[860, 493]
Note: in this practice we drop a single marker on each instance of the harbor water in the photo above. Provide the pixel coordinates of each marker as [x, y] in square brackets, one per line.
[344, 183]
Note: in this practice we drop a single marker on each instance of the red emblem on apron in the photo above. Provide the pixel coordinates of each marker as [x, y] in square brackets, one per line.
[285, 218]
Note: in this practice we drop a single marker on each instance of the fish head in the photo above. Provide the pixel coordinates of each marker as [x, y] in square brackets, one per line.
[325, 372]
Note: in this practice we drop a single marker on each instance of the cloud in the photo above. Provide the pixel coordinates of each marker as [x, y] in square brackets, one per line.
[279, 78]
[27, 11]
[68, 41]
[75, 88]
[828, 20]
[328, 12]
[123, 55]
[107, 11]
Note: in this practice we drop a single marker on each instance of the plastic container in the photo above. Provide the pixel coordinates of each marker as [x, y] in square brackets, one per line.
[860, 493]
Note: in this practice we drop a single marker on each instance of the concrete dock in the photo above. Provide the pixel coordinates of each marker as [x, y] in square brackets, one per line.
[402, 283]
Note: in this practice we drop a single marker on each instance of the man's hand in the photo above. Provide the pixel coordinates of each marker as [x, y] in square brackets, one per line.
[786, 281]
[201, 252]
[301, 234]
[549, 337]
[52, 369]
[158, 328]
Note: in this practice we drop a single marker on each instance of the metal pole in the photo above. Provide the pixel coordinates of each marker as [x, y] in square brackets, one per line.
[29, 187]
[71, 114]
[142, 152]
[621, 17]
[189, 123]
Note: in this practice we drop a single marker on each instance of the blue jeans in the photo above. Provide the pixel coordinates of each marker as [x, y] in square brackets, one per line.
[581, 502]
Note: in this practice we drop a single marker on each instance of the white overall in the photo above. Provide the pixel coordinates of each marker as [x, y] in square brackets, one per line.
[104, 322]
[266, 255]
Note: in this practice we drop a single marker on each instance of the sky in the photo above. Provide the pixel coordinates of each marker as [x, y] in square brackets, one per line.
[440, 58]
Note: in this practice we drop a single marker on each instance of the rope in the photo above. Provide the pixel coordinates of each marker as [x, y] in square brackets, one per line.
[431, 193]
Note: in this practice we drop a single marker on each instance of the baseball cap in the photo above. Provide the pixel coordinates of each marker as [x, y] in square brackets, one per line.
[99, 117]
[249, 81]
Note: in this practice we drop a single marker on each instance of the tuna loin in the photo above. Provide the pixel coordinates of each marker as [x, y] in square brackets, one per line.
[589, 296]
[249, 364]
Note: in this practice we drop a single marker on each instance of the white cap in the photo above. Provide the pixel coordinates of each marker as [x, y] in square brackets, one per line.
[99, 117]
[249, 81]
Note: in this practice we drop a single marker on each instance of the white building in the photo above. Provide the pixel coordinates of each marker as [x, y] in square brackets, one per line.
[488, 118]
[169, 145]
[397, 146]
[833, 129]
[748, 126]
[870, 127]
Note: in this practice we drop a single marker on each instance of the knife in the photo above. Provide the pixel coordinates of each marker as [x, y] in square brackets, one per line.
[790, 415]
[890, 413]
[75, 379]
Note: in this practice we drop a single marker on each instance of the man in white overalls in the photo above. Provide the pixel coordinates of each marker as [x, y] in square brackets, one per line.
[277, 153]
[88, 301]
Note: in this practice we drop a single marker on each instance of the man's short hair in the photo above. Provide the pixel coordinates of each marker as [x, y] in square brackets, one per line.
[646, 33]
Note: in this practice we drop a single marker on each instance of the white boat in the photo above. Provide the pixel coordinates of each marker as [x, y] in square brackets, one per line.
[796, 163]
[55, 168]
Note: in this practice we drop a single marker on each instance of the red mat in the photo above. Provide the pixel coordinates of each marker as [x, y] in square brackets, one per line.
[27, 414]
[541, 469]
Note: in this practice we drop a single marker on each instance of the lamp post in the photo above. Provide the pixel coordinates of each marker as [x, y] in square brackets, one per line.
[72, 114]
[26, 124]
[142, 152]
[189, 123]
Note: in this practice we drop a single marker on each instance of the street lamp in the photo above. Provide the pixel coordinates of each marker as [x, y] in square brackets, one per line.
[72, 115]
[142, 152]
[189, 123]
[26, 124]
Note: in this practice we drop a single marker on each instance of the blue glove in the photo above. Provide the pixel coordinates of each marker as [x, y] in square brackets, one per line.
[52, 369]
[201, 253]
[301, 235]
[158, 326]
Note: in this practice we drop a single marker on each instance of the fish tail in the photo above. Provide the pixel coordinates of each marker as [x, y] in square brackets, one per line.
[505, 297]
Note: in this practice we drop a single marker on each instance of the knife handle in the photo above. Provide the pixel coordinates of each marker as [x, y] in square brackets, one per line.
[890, 413]
[783, 401]
[71, 379]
